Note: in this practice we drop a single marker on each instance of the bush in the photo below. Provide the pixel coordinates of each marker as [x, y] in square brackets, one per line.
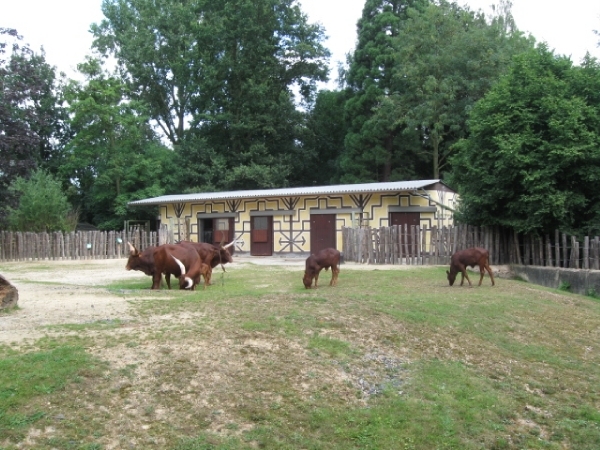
[42, 205]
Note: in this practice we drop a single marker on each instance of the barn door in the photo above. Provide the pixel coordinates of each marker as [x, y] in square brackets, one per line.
[261, 232]
[408, 219]
[322, 232]
[223, 230]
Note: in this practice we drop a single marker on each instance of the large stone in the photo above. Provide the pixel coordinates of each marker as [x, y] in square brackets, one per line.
[9, 296]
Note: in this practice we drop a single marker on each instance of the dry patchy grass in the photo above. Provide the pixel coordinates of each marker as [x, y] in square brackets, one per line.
[387, 357]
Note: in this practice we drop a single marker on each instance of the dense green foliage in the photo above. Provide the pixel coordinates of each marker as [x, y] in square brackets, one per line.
[376, 147]
[114, 156]
[31, 116]
[218, 77]
[417, 70]
[222, 95]
[323, 140]
[42, 205]
[447, 58]
[532, 159]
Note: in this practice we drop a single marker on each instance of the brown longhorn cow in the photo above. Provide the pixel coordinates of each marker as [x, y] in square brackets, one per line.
[205, 271]
[143, 261]
[469, 257]
[326, 258]
[162, 259]
[211, 255]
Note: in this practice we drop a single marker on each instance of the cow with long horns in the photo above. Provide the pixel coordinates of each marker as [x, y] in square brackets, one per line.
[178, 260]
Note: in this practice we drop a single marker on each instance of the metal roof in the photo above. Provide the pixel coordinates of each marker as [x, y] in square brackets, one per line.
[394, 186]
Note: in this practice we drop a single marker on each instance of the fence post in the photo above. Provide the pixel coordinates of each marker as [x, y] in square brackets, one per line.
[574, 253]
[418, 252]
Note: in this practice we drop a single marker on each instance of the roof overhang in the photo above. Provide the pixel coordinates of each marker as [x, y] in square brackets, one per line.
[363, 188]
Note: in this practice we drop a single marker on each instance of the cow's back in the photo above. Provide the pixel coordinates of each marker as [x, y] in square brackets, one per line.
[163, 258]
[328, 257]
[210, 254]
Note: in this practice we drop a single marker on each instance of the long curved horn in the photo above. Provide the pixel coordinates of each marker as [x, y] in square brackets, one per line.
[131, 247]
[180, 264]
[230, 244]
[190, 283]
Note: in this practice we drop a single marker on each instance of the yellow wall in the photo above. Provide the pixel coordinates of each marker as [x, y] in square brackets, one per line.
[294, 230]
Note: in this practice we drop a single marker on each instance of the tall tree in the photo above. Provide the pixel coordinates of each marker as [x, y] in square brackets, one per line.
[376, 146]
[532, 159]
[252, 125]
[446, 58]
[323, 140]
[219, 78]
[30, 114]
[156, 45]
[114, 156]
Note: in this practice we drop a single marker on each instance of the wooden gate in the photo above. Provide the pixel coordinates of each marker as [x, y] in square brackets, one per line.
[322, 232]
[261, 231]
[408, 219]
[215, 231]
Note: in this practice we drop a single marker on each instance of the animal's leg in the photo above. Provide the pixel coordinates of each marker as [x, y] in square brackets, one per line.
[334, 275]
[489, 269]
[481, 273]
[465, 275]
[207, 277]
[317, 278]
[168, 279]
[156, 278]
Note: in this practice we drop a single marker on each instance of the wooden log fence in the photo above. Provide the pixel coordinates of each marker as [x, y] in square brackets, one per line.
[27, 246]
[398, 244]
[412, 245]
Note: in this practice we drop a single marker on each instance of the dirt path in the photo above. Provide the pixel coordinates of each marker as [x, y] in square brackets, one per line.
[70, 298]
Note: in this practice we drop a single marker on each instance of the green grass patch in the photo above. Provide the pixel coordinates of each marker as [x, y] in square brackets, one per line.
[334, 348]
[26, 377]
[388, 359]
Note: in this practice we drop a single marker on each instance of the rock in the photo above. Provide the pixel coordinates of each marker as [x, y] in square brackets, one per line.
[9, 296]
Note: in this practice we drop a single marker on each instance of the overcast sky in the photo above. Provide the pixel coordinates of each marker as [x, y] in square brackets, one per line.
[62, 26]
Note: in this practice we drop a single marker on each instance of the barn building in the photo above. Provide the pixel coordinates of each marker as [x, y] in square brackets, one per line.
[301, 220]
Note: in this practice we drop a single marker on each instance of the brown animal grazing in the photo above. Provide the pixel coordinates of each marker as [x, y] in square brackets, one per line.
[187, 283]
[161, 260]
[326, 258]
[143, 261]
[211, 254]
[469, 257]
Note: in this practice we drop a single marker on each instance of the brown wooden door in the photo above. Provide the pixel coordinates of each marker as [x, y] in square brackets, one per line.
[223, 230]
[408, 219]
[261, 231]
[322, 232]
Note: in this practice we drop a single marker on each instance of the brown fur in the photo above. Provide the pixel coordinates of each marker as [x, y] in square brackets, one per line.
[161, 260]
[469, 257]
[326, 258]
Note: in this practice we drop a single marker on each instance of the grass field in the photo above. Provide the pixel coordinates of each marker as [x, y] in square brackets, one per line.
[389, 359]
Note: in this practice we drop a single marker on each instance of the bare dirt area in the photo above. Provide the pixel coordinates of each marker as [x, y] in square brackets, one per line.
[61, 292]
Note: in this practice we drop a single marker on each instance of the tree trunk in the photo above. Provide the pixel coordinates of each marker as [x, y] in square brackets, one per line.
[436, 157]
[389, 147]
[9, 296]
